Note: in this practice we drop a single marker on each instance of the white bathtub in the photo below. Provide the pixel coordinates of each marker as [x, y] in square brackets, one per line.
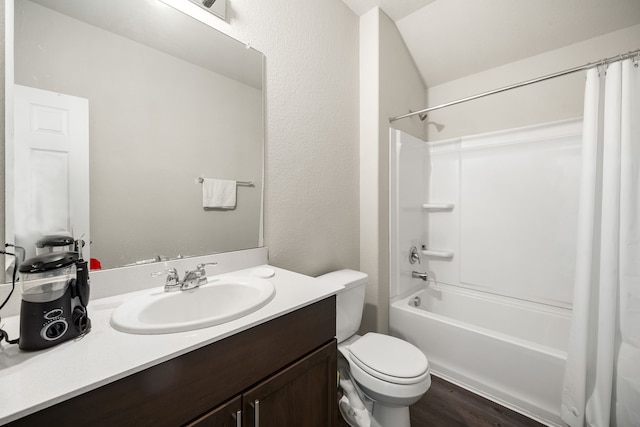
[472, 340]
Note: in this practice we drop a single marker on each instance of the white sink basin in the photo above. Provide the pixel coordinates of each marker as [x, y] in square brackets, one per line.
[221, 300]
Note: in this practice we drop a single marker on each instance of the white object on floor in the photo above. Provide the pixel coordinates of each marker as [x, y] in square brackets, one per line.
[351, 407]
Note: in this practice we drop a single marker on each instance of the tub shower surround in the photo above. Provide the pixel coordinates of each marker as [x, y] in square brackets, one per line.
[493, 217]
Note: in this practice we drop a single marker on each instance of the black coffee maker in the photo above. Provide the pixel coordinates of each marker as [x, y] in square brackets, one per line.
[55, 295]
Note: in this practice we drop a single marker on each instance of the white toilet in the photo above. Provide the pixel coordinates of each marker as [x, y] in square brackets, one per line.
[391, 373]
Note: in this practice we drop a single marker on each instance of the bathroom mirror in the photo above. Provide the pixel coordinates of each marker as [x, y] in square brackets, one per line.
[163, 100]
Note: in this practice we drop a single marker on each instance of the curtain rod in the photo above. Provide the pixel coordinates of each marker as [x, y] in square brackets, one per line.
[521, 84]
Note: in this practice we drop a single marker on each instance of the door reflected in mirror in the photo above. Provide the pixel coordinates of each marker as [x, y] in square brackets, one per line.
[164, 100]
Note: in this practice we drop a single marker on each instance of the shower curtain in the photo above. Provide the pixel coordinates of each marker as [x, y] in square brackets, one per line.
[602, 377]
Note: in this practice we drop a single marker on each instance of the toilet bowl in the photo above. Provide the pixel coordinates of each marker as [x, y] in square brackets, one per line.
[390, 373]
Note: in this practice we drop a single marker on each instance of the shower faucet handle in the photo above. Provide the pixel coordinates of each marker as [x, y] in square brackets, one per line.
[414, 255]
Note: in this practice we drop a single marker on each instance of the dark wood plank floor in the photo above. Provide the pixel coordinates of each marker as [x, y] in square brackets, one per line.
[447, 405]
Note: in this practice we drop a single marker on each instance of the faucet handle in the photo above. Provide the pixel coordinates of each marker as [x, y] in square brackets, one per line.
[202, 273]
[169, 272]
[202, 264]
[173, 280]
[414, 255]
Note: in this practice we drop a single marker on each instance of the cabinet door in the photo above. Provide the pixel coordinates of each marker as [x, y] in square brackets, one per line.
[303, 394]
[226, 415]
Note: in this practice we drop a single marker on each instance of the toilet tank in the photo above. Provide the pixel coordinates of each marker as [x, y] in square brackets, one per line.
[349, 301]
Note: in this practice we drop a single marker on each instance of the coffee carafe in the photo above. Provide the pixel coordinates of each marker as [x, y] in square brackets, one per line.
[55, 295]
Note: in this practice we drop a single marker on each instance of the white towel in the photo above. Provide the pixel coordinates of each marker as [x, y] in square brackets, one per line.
[218, 193]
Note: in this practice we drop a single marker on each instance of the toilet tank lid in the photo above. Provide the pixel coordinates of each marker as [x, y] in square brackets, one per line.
[346, 278]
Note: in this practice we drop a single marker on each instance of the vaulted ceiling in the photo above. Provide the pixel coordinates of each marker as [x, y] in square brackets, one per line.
[450, 39]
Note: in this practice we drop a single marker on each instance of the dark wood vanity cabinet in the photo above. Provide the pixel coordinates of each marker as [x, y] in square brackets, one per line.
[228, 414]
[280, 373]
[302, 394]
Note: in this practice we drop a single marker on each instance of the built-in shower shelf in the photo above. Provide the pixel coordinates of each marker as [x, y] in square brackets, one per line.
[437, 206]
[437, 253]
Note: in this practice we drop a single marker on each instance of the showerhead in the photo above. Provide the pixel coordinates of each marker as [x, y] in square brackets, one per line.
[438, 126]
[422, 116]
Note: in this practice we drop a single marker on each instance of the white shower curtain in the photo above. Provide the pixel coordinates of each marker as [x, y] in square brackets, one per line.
[602, 377]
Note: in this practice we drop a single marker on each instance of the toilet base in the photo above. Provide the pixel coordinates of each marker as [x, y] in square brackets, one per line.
[391, 416]
[396, 398]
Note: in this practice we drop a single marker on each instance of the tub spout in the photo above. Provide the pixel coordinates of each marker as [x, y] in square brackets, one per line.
[418, 275]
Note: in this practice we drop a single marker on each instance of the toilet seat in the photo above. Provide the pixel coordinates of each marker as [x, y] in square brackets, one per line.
[389, 359]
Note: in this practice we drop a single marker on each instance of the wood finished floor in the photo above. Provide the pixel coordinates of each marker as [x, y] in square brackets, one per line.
[447, 405]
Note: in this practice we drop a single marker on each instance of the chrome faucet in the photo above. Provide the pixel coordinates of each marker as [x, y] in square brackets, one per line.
[418, 275]
[192, 279]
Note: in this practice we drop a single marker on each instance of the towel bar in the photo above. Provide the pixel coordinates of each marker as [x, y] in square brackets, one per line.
[242, 183]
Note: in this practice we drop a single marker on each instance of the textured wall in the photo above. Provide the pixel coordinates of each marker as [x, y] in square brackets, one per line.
[390, 85]
[311, 175]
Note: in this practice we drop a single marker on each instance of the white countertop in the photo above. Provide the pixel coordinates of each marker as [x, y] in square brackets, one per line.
[31, 381]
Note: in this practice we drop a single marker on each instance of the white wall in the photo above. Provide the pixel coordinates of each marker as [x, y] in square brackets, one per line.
[311, 193]
[557, 99]
[389, 81]
[369, 163]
